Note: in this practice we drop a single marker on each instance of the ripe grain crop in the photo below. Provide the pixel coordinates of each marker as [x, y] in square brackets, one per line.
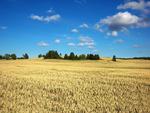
[50, 86]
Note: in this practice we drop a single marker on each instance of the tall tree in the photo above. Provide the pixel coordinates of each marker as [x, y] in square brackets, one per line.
[7, 56]
[52, 55]
[66, 56]
[72, 56]
[25, 56]
[13, 56]
[114, 58]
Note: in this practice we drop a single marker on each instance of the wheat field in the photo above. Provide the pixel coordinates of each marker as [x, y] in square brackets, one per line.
[61, 86]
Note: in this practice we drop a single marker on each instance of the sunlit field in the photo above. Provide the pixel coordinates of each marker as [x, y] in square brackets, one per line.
[63, 86]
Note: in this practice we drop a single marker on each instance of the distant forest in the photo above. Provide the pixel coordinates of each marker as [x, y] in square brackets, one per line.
[52, 54]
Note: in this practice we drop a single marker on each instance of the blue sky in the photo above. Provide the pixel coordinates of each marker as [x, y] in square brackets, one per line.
[120, 27]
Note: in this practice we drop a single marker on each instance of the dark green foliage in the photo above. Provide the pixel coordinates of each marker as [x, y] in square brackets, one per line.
[13, 56]
[72, 56]
[82, 57]
[114, 58]
[25, 56]
[92, 57]
[7, 56]
[40, 56]
[52, 55]
[144, 58]
[1, 57]
[66, 57]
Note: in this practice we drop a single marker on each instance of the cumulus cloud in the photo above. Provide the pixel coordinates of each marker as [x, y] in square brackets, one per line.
[71, 44]
[122, 21]
[84, 25]
[3, 27]
[136, 5]
[51, 18]
[57, 41]
[42, 44]
[86, 41]
[74, 30]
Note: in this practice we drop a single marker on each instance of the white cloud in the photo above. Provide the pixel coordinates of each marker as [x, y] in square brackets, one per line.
[114, 33]
[136, 5]
[51, 18]
[51, 10]
[71, 44]
[74, 30]
[36, 17]
[84, 25]
[86, 41]
[119, 41]
[42, 44]
[95, 50]
[122, 21]
[57, 41]
[3, 27]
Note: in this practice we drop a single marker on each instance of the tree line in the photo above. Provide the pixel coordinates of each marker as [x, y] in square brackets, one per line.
[52, 54]
[55, 55]
[14, 56]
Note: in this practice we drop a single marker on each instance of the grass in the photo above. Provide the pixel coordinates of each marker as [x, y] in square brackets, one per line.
[61, 86]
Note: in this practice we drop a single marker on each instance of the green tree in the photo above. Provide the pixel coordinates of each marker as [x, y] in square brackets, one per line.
[25, 56]
[1, 57]
[7, 56]
[82, 57]
[66, 56]
[114, 58]
[13, 56]
[72, 56]
[52, 55]
[40, 55]
[96, 57]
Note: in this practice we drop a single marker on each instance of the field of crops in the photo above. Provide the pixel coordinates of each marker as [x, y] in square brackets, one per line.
[61, 86]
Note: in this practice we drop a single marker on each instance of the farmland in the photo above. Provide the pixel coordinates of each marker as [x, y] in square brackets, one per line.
[63, 86]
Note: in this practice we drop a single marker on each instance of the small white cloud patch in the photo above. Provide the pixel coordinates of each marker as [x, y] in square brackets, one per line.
[71, 44]
[84, 25]
[57, 41]
[74, 30]
[42, 44]
[51, 18]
